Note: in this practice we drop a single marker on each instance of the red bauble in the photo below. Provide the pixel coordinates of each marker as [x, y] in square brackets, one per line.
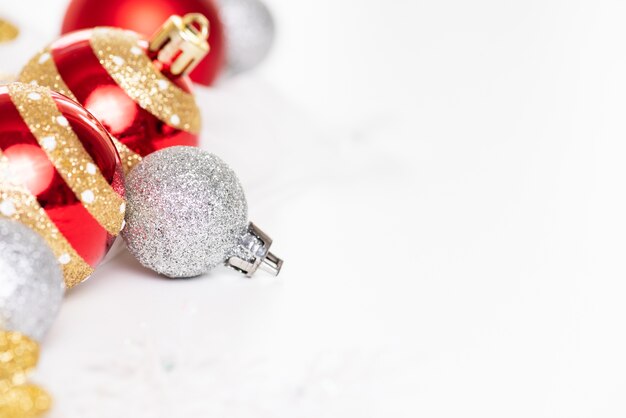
[145, 17]
[60, 175]
[127, 84]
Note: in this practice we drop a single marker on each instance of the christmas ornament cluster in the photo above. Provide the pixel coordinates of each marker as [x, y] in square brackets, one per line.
[98, 139]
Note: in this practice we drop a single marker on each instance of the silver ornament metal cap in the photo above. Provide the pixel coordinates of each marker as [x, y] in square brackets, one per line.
[254, 253]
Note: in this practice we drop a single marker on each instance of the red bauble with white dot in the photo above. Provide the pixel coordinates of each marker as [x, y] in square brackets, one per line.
[60, 175]
[137, 88]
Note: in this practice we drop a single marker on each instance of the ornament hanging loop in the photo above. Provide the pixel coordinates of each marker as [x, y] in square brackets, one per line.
[193, 21]
[181, 43]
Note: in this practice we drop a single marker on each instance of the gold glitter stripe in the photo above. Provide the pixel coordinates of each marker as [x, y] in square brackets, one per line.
[66, 152]
[42, 71]
[129, 157]
[120, 53]
[17, 203]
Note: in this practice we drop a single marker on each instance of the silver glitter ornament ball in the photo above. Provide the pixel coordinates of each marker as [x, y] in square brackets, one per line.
[186, 212]
[250, 32]
[31, 281]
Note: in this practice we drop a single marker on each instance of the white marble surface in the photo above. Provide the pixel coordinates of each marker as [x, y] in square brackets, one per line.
[445, 182]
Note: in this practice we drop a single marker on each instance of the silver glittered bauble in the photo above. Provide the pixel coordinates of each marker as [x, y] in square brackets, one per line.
[250, 32]
[31, 281]
[186, 213]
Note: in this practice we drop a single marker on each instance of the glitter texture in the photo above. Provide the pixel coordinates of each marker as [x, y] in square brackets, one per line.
[27, 210]
[129, 157]
[186, 212]
[41, 70]
[137, 75]
[25, 401]
[68, 155]
[250, 32]
[18, 356]
[31, 288]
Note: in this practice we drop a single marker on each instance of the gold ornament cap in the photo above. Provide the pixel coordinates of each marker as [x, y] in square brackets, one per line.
[182, 42]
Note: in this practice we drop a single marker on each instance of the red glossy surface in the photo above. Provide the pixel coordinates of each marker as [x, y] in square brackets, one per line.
[146, 16]
[94, 88]
[30, 164]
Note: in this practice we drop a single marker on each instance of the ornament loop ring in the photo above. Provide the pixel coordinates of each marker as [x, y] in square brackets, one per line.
[192, 19]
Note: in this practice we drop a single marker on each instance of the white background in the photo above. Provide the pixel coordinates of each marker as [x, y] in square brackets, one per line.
[445, 181]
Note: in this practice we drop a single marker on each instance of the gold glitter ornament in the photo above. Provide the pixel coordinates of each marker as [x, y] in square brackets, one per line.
[26, 401]
[19, 399]
[18, 356]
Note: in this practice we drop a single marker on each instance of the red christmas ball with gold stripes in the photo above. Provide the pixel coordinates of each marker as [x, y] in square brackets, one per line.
[138, 89]
[60, 175]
